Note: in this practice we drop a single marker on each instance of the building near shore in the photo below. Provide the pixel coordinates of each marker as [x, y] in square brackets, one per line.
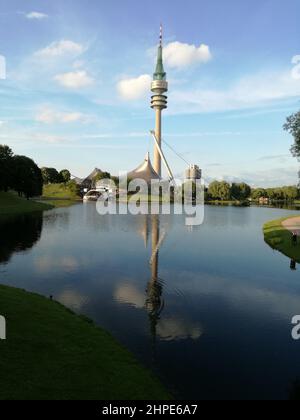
[263, 200]
[88, 182]
[193, 173]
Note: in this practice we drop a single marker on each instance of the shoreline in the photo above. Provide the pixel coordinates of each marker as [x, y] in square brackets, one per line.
[278, 237]
[11, 205]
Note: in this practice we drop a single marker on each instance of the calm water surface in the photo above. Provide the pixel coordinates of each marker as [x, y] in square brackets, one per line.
[208, 309]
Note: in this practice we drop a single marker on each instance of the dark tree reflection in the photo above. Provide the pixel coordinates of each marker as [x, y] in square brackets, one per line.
[18, 234]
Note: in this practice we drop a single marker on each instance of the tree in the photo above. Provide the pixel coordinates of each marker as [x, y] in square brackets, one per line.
[27, 177]
[240, 191]
[258, 193]
[50, 176]
[74, 188]
[292, 126]
[220, 190]
[100, 176]
[6, 156]
[116, 180]
[292, 193]
[65, 176]
[271, 193]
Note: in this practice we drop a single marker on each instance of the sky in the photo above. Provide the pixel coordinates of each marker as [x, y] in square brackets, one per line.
[76, 91]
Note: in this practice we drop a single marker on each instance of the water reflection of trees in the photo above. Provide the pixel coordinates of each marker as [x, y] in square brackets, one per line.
[58, 219]
[294, 391]
[18, 234]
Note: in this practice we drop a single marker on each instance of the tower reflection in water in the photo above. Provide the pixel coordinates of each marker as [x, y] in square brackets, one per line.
[155, 301]
[167, 318]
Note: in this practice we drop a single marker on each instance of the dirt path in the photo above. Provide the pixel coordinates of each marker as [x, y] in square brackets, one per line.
[292, 224]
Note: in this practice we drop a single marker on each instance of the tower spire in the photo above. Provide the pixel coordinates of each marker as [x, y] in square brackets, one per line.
[160, 73]
[161, 35]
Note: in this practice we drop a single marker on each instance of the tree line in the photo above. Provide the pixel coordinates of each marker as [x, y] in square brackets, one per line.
[224, 191]
[52, 176]
[19, 173]
[290, 193]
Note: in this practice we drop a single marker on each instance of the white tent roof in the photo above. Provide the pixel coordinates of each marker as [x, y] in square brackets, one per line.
[144, 171]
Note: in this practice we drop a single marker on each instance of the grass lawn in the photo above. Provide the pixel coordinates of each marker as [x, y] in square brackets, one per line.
[11, 204]
[59, 191]
[51, 353]
[279, 238]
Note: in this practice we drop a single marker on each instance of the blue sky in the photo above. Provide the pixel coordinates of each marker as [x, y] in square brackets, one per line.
[77, 91]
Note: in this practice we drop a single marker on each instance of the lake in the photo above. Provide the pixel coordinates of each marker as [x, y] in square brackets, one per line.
[208, 308]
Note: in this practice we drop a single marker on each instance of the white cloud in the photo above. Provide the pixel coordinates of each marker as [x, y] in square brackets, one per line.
[50, 116]
[168, 329]
[72, 299]
[180, 55]
[2, 67]
[134, 88]
[122, 135]
[296, 59]
[74, 80]
[272, 177]
[128, 293]
[60, 48]
[47, 138]
[249, 92]
[296, 69]
[2, 123]
[281, 158]
[171, 329]
[36, 15]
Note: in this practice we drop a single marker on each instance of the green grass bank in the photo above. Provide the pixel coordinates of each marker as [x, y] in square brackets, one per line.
[279, 238]
[11, 204]
[60, 192]
[51, 353]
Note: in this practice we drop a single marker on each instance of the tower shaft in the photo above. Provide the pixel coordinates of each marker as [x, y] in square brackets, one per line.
[158, 131]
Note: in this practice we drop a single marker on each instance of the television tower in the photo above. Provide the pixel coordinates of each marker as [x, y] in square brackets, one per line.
[159, 102]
